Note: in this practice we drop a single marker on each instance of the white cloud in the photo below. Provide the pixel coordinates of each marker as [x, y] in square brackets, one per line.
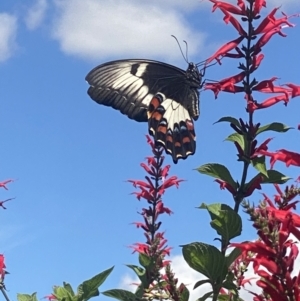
[8, 30]
[35, 15]
[95, 30]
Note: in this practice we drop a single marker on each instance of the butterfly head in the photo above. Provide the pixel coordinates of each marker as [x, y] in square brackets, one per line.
[194, 75]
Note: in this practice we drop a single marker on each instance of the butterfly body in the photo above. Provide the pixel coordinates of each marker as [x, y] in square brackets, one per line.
[145, 90]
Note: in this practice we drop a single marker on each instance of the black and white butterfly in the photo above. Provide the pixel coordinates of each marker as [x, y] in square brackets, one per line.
[150, 91]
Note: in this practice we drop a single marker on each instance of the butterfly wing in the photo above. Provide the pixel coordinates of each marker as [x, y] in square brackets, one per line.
[172, 127]
[145, 90]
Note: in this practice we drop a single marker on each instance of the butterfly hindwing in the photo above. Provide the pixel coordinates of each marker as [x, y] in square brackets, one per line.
[172, 127]
[145, 90]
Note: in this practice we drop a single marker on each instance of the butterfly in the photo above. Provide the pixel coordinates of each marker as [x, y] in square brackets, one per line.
[150, 91]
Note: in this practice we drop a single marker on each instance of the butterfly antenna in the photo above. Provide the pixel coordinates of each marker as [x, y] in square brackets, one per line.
[186, 50]
[185, 58]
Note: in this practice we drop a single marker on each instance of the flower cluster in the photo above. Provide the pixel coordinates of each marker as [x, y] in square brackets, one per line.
[252, 55]
[274, 253]
[155, 248]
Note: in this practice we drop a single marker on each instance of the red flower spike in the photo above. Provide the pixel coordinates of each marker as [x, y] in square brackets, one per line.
[224, 49]
[229, 18]
[229, 7]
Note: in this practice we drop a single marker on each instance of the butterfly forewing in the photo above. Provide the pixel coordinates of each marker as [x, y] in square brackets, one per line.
[144, 90]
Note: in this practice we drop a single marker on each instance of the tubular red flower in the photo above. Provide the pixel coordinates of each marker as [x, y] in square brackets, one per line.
[229, 7]
[295, 89]
[265, 26]
[255, 184]
[229, 18]
[140, 248]
[273, 23]
[227, 84]
[256, 247]
[288, 157]
[226, 185]
[224, 49]
[136, 183]
[256, 60]
[265, 39]
[252, 106]
[267, 86]
[2, 268]
[160, 208]
[258, 5]
[3, 184]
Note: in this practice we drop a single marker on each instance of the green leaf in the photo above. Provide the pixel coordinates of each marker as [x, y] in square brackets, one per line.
[205, 296]
[26, 297]
[275, 177]
[234, 254]
[240, 139]
[62, 294]
[224, 220]
[141, 273]
[120, 294]
[69, 288]
[89, 288]
[200, 282]
[145, 260]
[259, 163]
[207, 260]
[185, 293]
[275, 126]
[217, 171]
[230, 120]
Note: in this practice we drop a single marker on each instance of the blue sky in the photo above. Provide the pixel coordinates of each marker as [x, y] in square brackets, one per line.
[71, 157]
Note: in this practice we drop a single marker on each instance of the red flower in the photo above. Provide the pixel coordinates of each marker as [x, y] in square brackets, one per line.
[50, 297]
[229, 7]
[3, 184]
[290, 158]
[226, 185]
[224, 49]
[252, 105]
[2, 268]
